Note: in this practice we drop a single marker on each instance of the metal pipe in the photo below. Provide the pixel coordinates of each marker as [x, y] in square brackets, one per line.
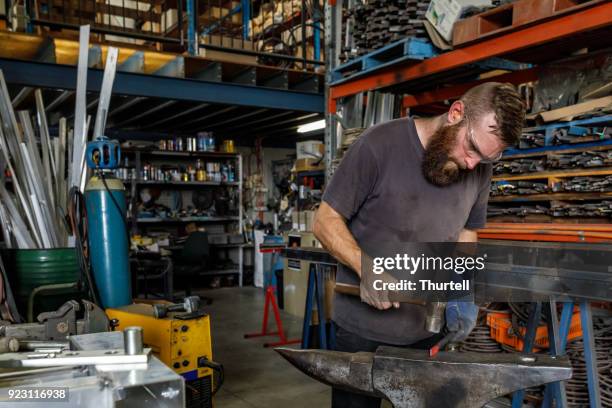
[191, 35]
[8, 344]
[40, 344]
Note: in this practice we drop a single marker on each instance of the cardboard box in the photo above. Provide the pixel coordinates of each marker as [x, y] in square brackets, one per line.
[169, 19]
[310, 149]
[221, 12]
[227, 56]
[443, 14]
[227, 42]
[309, 165]
[295, 282]
[295, 277]
[151, 27]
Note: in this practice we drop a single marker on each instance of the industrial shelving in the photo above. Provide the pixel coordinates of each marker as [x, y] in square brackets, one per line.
[139, 155]
[552, 176]
[428, 84]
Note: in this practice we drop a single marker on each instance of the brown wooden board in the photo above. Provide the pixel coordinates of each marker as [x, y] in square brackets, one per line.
[508, 17]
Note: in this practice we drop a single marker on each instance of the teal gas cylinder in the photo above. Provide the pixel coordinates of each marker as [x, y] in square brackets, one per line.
[108, 240]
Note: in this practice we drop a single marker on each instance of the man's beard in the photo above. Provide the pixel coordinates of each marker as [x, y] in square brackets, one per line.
[438, 167]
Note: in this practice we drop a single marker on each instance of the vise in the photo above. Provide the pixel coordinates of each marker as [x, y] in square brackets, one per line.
[409, 378]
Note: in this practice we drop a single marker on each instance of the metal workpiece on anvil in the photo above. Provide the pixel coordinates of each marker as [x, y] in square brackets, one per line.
[409, 378]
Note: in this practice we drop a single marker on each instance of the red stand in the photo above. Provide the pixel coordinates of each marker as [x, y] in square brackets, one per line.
[271, 299]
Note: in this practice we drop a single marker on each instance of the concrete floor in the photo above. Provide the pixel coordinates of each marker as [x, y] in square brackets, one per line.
[256, 376]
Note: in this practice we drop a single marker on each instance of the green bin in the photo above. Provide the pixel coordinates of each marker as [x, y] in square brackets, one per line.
[29, 269]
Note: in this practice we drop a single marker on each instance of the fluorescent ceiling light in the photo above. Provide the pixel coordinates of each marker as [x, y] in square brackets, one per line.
[312, 126]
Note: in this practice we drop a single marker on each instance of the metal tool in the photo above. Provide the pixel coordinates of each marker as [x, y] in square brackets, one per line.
[409, 378]
[59, 324]
[434, 320]
[190, 304]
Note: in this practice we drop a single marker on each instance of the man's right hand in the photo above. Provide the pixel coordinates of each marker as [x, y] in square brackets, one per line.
[376, 298]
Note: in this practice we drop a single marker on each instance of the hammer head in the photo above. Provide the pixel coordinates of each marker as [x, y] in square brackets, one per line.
[160, 311]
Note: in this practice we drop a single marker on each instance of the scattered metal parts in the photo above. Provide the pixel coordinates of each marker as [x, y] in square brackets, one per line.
[585, 184]
[379, 23]
[521, 211]
[520, 187]
[34, 345]
[59, 324]
[72, 358]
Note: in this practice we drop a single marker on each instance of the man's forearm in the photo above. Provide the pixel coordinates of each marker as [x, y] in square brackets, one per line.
[330, 228]
[467, 235]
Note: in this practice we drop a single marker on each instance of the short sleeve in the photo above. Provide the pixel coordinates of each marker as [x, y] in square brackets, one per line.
[478, 214]
[353, 181]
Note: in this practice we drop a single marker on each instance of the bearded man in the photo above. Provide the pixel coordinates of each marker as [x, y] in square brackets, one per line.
[412, 180]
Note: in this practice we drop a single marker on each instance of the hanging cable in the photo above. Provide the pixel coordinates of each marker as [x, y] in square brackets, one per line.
[77, 214]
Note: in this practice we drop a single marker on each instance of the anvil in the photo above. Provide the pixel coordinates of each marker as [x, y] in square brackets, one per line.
[409, 378]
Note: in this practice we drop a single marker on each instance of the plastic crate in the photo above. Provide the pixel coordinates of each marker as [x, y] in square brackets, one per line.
[501, 330]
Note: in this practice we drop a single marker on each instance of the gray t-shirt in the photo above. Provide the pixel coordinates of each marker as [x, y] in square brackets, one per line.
[380, 189]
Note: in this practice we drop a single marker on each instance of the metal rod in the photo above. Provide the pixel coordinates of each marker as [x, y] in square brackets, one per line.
[590, 354]
[37, 176]
[80, 132]
[110, 69]
[21, 194]
[24, 235]
[45, 140]
[38, 344]
[191, 35]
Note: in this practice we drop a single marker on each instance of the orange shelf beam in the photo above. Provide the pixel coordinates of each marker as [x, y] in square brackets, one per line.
[542, 238]
[561, 27]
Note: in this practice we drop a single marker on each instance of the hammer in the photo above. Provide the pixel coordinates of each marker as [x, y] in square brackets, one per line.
[435, 310]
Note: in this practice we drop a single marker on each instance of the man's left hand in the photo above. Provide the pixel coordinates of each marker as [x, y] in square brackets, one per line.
[461, 318]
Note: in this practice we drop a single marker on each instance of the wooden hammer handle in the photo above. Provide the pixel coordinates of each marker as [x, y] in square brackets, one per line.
[353, 290]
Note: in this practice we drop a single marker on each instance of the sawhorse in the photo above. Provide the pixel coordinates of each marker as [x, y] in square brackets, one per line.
[557, 337]
[316, 292]
[271, 302]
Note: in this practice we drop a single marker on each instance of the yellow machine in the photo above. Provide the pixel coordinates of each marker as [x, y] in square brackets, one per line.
[181, 340]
